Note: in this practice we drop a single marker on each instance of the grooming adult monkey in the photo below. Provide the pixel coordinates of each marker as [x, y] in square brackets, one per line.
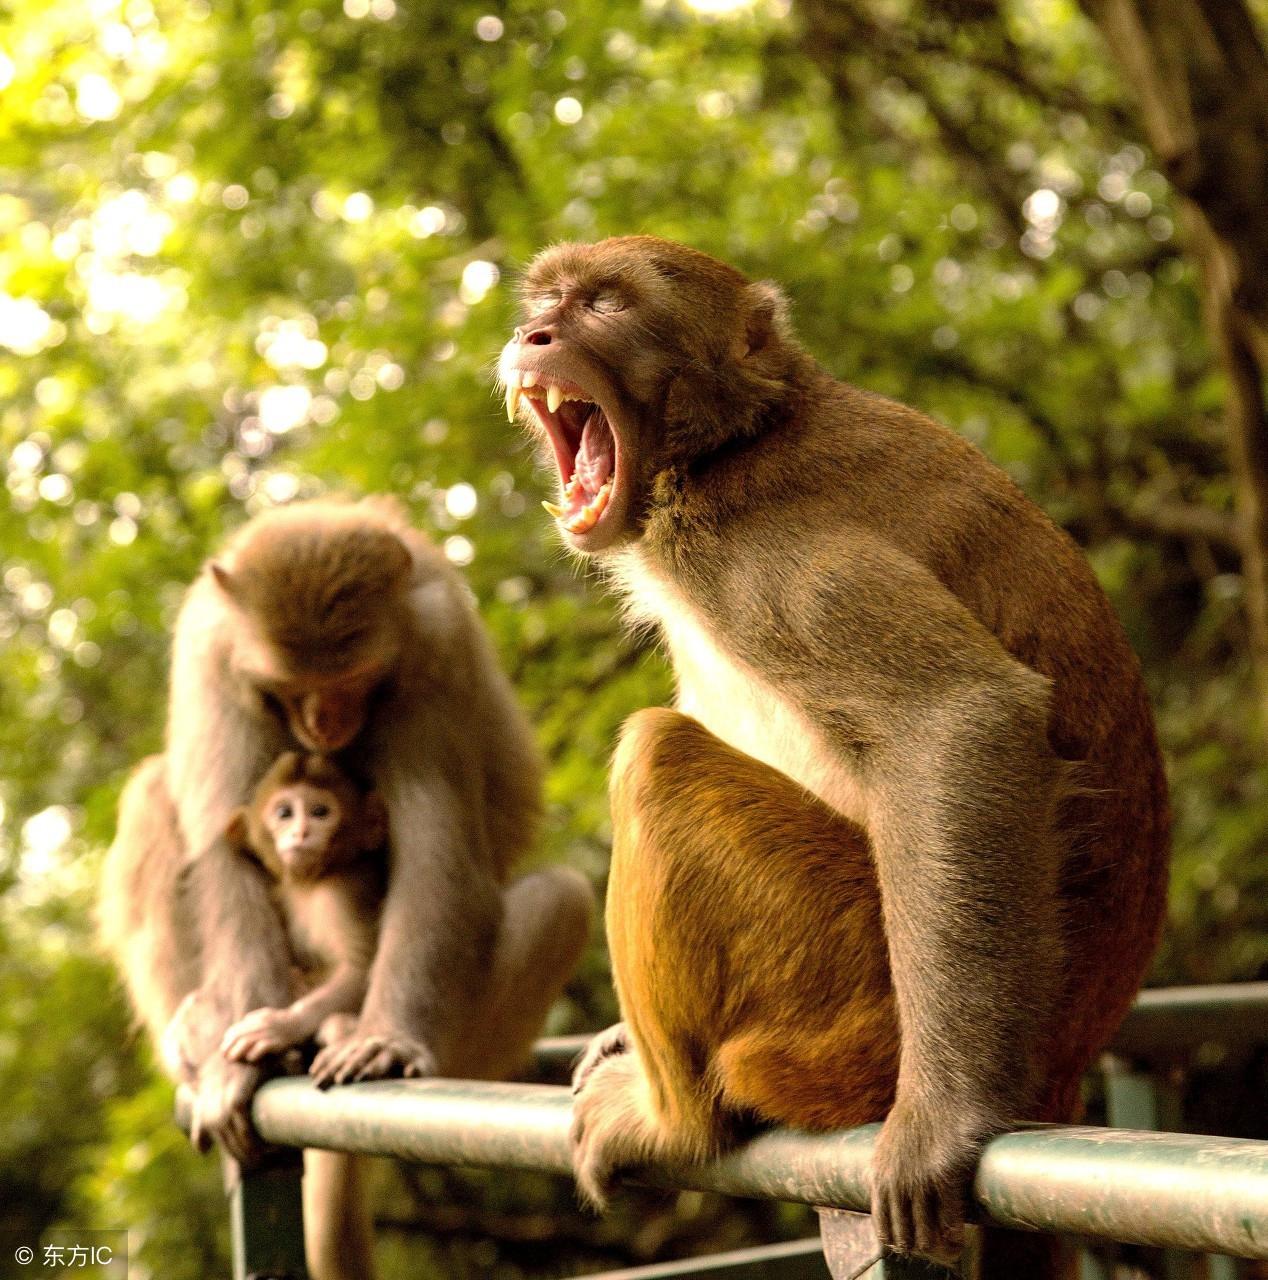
[854, 596]
[335, 627]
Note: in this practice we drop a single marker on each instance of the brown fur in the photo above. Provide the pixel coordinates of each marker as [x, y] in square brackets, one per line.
[362, 827]
[714, 855]
[391, 668]
[331, 574]
[855, 595]
[331, 911]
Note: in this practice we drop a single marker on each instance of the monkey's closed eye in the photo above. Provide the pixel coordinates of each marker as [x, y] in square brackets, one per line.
[606, 304]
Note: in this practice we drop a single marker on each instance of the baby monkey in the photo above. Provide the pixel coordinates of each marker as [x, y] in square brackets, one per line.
[322, 839]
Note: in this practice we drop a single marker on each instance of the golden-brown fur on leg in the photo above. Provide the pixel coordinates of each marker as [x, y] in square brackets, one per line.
[714, 855]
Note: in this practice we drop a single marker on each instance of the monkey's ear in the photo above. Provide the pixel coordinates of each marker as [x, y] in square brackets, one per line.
[397, 559]
[224, 579]
[236, 831]
[766, 320]
[373, 823]
[393, 558]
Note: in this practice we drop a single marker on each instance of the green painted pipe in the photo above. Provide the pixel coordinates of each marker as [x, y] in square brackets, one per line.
[1177, 1191]
[1171, 1020]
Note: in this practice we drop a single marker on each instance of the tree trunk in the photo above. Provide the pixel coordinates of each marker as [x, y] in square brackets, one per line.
[1199, 71]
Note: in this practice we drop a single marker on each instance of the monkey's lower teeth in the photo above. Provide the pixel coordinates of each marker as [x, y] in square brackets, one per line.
[583, 520]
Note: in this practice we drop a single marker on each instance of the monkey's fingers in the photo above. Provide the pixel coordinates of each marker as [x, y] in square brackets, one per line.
[254, 1045]
[920, 1181]
[609, 1133]
[938, 1219]
[381, 1064]
[344, 1062]
[396, 1055]
[238, 1138]
[372, 1057]
[927, 1222]
[894, 1227]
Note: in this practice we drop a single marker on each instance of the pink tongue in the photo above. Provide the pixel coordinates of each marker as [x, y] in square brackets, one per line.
[595, 456]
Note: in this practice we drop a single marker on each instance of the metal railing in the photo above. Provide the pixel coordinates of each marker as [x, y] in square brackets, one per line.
[1204, 1195]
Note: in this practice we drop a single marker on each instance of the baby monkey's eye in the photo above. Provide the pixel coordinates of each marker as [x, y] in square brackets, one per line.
[606, 304]
[321, 811]
[284, 811]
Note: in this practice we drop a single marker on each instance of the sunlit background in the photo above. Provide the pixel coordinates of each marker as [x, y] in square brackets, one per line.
[255, 252]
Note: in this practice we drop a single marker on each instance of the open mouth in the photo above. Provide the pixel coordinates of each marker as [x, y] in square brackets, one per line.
[583, 442]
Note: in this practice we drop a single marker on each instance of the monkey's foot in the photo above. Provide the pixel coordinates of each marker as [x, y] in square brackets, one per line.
[222, 1108]
[265, 1031]
[921, 1173]
[616, 1039]
[372, 1056]
[613, 1127]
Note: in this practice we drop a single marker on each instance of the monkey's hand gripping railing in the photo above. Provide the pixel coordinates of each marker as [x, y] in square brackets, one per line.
[1202, 1195]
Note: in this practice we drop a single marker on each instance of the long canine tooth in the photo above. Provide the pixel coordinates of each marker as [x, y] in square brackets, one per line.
[530, 379]
[554, 397]
[553, 510]
[513, 394]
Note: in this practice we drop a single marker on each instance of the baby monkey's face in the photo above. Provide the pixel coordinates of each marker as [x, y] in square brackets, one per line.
[303, 821]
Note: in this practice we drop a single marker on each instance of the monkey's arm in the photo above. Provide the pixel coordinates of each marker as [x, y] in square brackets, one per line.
[948, 735]
[438, 928]
[245, 964]
[215, 753]
[340, 925]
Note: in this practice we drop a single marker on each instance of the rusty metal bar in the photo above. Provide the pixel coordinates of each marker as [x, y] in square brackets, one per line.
[1173, 1191]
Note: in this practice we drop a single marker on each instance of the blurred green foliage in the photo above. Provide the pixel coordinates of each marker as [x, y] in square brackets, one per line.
[252, 251]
